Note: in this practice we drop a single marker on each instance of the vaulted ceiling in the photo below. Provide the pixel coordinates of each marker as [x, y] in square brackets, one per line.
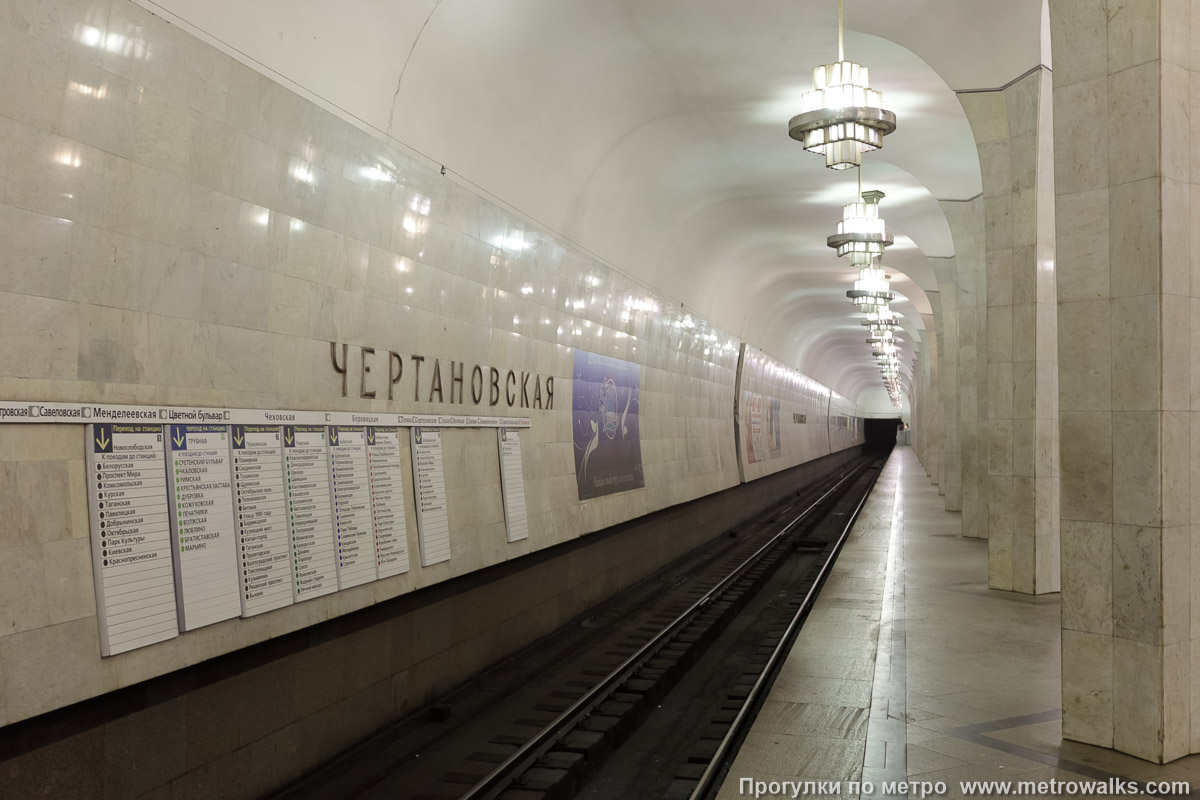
[654, 134]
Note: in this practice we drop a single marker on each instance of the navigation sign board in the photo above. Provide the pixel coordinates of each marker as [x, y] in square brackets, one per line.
[310, 524]
[433, 525]
[512, 484]
[201, 502]
[131, 536]
[351, 492]
[55, 413]
[51, 412]
[385, 467]
[264, 553]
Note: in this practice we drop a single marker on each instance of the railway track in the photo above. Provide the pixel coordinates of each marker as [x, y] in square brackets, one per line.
[691, 649]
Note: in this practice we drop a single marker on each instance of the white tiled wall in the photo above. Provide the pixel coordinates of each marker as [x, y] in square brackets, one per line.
[797, 394]
[848, 434]
[178, 229]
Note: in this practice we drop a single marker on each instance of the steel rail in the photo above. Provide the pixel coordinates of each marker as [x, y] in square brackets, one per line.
[524, 757]
[738, 729]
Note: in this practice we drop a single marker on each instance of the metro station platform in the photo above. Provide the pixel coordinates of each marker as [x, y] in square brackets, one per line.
[909, 667]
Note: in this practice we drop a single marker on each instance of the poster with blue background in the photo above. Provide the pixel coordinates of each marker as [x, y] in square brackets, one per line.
[604, 418]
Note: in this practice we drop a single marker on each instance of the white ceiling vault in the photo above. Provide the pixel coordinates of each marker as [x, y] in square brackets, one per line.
[654, 134]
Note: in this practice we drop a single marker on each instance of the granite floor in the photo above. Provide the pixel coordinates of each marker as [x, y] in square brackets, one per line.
[911, 666]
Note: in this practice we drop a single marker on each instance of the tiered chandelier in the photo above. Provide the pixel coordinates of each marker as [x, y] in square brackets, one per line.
[862, 235]
[881, 325]
[872, 291]
[882, 344]
[842, 117]
[883, 347]
[879, 321]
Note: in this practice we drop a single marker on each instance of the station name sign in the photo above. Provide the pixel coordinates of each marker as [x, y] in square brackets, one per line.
[433, 382]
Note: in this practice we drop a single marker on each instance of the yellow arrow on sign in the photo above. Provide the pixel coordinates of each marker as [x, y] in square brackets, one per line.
[289, 438]
[333, 435]
[102, 440]
[179, 438]
[237, 437]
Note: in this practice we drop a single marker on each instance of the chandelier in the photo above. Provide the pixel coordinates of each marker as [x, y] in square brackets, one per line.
[862, 234]
[842, 117]
[882, 344]
[889, 367]
[872, 291]
[881, 320]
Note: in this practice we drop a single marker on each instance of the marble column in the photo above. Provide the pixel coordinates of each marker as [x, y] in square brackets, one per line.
[920, 382]
[1129, 316]
[914, 398]
[930, 398]
[1018, 444]
[916, 406]
[950, 486]
[966, 219]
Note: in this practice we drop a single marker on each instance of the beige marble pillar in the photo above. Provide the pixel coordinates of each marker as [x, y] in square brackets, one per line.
[930, 397]
[972, 394]
[966, 219]
[1018, 444]
[915, 409]
[1128, 398]
[917, 403]
[950, 486]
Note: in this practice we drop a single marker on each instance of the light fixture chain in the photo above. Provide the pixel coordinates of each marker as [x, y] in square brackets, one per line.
[841, 35]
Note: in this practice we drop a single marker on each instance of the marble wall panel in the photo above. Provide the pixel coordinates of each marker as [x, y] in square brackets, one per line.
[1126, 226]
[180, 229]
[1008, 337]
[1088, 687]
[796, 394]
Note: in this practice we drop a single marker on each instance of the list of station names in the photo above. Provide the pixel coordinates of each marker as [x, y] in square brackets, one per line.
[202, 526]
[351, 491]
[512, 484]
[384, 465]
[264, 554]
[310, 521]
[196, 522]
[131, 536]
[433, 525]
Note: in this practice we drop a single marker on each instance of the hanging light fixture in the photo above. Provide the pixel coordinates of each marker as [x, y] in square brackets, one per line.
[873, 289]
[842, 117]
[893, 390]
[881, 320]
[882, 343]
[861, 234]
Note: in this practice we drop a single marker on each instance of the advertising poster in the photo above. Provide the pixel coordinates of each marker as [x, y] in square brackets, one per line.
[774, 432]
[764, 439]
[756, 438]
[604, 418]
